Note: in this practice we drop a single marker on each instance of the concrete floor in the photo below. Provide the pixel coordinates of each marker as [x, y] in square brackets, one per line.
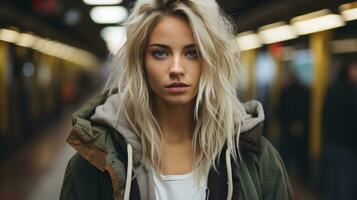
[36, 171]
[48, 186]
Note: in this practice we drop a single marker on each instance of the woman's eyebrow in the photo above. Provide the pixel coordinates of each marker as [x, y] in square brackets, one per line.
[189, 46]
[159, 45]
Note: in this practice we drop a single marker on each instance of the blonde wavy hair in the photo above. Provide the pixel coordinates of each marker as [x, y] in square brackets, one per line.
[217, 113]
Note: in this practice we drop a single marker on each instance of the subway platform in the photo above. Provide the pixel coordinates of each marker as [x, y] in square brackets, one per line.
[36, 171]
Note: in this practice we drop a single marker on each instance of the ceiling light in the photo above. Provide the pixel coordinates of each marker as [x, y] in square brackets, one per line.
[49, 47]
[276, 32]
[62, 49]
[46, 46]
[108, 14]
[26, 40]
[349, 11]
[115, 37]
[52, 48]
[39, 45]
[316, 22]
[350, 14]
[8, 35]
[248, 40]
[102, 2]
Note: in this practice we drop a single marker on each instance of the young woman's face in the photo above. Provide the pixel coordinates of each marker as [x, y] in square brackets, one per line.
[172, 62]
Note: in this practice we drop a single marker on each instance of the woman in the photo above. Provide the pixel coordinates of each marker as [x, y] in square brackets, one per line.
[171, 126]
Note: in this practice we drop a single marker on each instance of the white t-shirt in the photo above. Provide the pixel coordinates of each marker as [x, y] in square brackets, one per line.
[179, 187]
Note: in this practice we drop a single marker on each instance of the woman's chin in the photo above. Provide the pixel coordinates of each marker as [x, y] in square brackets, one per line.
[178, 101]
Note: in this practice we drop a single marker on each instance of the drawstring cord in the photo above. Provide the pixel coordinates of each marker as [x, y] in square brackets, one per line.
[229, 175]
[128, 172]
[229, 166]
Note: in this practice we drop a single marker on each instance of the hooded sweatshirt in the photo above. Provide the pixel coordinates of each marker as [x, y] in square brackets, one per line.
[109, 161]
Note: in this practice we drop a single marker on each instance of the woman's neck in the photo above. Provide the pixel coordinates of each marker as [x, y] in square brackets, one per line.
[176, 122]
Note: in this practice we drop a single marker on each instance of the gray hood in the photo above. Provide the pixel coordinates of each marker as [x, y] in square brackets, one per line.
[107, 114]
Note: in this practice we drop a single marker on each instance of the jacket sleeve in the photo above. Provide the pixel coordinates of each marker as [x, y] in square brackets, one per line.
[274, 178]
[68, 190]
[82, 181]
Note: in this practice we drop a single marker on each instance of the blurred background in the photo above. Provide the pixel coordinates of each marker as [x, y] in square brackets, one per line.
[299, 58]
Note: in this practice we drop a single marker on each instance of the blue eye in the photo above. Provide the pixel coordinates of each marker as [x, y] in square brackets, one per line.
[192, 54]
[159, 54]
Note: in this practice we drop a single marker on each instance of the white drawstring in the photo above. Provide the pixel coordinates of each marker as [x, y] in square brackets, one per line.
[237, 141]
[229, 175]
[128, 172]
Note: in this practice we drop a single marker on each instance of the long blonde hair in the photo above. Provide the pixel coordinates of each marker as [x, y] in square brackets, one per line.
[217, 113]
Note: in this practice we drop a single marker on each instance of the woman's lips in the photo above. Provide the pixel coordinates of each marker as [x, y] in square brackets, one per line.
[177, 88]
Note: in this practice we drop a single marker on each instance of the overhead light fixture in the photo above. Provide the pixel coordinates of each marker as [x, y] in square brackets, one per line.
[114, 36]
[49, 47]
[65, 52]
[108, 14]
[276, 32]
[349, 11]
[248, 41]
[8, 35]
[102, 2]
[317, 21]
[39, 44]
[26, 40]
[60, 49]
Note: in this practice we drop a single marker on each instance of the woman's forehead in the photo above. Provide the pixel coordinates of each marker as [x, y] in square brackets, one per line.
[172, 30]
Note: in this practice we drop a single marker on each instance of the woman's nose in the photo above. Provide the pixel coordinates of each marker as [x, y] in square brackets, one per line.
[177, 69]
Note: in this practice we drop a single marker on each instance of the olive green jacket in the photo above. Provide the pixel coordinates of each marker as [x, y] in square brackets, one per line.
[109, 154]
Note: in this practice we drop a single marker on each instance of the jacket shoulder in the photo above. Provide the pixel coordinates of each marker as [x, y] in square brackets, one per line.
[82, 180]
[275, 183]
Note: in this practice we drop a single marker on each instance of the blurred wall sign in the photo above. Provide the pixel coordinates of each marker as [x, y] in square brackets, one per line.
[276, 50]
[45, 6]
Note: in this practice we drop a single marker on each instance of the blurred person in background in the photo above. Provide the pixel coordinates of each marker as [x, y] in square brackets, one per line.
[171, 126]
[340, 128]
[293, 114]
